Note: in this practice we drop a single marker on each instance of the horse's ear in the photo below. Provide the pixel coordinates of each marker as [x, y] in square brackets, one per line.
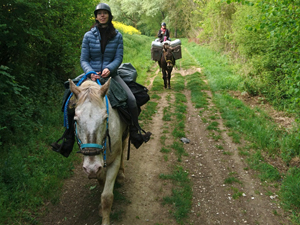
[74, 89]
[104, 88]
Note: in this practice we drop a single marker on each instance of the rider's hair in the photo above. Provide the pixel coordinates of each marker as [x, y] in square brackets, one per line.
[110, 29]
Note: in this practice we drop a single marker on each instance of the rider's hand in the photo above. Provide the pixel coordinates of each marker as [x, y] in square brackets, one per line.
[95, 76]
[105, 73]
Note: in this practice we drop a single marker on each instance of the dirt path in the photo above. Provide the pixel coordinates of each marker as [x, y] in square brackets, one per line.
[141, 195]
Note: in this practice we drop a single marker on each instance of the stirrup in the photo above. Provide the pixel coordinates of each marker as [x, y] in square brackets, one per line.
[65, 148]
[140, 138]
[57, 147]
[146, 136]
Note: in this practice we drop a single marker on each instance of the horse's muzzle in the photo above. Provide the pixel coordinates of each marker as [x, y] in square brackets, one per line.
[169, 66]
[92, 176]
[92, 166]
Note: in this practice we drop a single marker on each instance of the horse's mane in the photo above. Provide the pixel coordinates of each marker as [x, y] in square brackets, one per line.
[89, 90]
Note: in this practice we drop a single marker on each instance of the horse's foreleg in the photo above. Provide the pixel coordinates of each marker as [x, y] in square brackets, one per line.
[107, 196]
[164, 77]
[121, 173]
[169, 78]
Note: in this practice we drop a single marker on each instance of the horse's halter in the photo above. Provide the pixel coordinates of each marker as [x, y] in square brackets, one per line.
[92, 149]
[170, 61]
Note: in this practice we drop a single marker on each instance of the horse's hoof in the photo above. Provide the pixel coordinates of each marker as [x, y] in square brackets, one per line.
[121, 177]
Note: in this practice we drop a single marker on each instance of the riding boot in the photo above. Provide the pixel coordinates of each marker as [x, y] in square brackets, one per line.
[68, 139]
[136, 136]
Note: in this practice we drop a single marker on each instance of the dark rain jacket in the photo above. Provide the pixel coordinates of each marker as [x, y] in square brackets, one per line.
[161, 36]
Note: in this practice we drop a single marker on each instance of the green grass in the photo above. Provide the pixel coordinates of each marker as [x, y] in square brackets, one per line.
[267, 171]
[174, 116]
[158, 84]
[196, 85]
[216, 68]
[242, 119]
[163, 139]
[138, 54]
[231, 180]
[155, 96]
[216, 137]
[179, 150]
[213, 117]
[219, 147]
[31, 173]
[181, 198]
[167, 115]
[178, 82]
[290, 193]
[227, 153]
[236, 193]
[213, 126]
[148, 111]
[165, 150]
[235, 137]
[179, 123]
[243, 152]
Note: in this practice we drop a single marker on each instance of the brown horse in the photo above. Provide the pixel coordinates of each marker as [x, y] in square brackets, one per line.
[166, 64]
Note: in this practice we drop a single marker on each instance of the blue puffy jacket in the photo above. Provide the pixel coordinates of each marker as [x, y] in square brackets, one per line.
[92, 59]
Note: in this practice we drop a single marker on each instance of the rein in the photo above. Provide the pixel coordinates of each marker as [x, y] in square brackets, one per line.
[92, 149]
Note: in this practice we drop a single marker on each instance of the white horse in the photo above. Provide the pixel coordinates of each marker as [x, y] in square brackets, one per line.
[101, 136]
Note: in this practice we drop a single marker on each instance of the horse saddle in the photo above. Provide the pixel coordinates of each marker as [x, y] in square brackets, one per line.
[117, 96]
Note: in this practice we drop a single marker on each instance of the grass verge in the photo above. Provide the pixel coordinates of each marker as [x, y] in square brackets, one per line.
[265, 137]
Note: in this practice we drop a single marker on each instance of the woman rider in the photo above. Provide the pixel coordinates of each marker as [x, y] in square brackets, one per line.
[102, 52]
[163, 33]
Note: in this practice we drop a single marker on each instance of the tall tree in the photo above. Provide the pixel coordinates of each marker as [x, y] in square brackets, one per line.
[40, 44]
[179, 15]
[132, 10]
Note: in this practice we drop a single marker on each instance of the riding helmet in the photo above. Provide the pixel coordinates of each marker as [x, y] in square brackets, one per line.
[163, 24]
[103, 6]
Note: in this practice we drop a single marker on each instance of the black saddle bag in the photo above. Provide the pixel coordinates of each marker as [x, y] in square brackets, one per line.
[140, 93]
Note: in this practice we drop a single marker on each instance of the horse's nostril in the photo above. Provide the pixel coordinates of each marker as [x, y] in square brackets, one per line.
[99, 168]
[85, 169]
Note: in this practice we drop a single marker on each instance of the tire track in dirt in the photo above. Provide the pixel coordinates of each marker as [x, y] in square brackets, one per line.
[143, 187]
[213, 201]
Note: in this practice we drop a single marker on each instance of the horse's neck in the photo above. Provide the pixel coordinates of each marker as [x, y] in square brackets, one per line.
[115, 119]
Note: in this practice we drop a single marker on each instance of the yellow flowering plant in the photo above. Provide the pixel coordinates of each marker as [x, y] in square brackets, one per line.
[125, 28]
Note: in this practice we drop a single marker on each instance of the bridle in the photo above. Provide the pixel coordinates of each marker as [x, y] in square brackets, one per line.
[168, 60]
[92, 149]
